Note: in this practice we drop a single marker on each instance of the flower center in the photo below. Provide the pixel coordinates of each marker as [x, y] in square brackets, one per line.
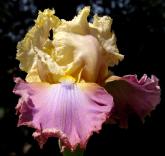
[67, 82]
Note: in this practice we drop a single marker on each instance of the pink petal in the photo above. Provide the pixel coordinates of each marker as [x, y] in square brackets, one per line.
[69, 111]
[133, 96]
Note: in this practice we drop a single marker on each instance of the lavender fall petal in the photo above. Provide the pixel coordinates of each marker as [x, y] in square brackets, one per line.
[133, 96]
[70, 111]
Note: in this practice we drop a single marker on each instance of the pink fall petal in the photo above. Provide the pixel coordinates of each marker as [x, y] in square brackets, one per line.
[69, 111]
[133, 96]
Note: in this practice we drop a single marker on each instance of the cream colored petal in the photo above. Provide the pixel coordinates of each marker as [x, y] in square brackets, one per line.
[80, 49]
[48, 70]
[103, 26]
[86, 55]
[78, 25]
[101, 29]
[64, 47]
[36, 37]
[48, 47]
[32, 75]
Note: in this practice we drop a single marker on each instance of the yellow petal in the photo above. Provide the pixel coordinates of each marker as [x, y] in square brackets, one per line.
[78, 25]
[102, 25]
[79, 54]
[79, 49]
[101, 29]
[48, 70]
[36, 37]
[33, 75]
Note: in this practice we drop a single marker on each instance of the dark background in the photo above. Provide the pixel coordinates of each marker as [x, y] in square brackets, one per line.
[140, 29]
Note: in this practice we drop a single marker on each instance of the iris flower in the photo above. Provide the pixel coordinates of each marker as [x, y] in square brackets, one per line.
[69, 91]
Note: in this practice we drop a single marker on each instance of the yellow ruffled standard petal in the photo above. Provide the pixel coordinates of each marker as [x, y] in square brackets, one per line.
[102, 25]
[72, 57]
[48, 70]
[36, 37]
[79, 53]
[101, 29]
[32, 75]
[79, 49]
[78, 25]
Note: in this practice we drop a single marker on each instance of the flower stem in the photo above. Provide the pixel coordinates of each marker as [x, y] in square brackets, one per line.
[77, 152]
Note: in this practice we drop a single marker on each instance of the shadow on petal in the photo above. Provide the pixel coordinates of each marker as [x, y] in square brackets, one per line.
[132, 96]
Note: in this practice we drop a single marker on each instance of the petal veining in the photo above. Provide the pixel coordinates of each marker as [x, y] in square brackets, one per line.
[69, 111]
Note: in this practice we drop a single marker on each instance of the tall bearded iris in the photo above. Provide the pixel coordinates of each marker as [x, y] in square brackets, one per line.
[69, 92]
